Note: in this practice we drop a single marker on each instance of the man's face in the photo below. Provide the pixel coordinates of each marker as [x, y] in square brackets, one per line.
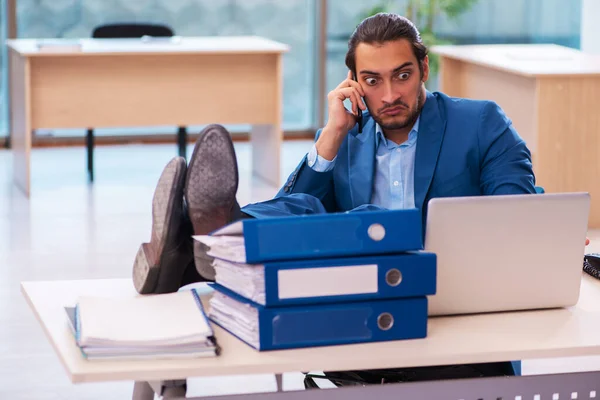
[389, 74]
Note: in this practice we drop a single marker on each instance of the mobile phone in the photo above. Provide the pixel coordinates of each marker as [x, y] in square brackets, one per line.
[359, 111]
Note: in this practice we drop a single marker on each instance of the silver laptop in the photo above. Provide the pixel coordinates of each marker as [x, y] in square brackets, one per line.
[502, 253]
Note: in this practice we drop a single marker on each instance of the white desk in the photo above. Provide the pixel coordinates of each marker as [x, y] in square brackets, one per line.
[129, 82]
[451, 340]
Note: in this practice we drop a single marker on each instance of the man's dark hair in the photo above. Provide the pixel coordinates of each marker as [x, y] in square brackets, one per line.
[385, 27]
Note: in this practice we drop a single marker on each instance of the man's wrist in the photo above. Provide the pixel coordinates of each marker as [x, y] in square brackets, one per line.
[318, 163]
[328, 144]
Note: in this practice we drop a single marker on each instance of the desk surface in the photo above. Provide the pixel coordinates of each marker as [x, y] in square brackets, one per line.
[451, 340]
[203, 45]
[525, 59]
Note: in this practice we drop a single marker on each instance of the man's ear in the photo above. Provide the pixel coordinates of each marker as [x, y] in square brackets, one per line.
[425, 76]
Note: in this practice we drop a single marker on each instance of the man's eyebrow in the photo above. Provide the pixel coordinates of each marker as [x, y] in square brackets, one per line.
[406, 64]
[398, 68]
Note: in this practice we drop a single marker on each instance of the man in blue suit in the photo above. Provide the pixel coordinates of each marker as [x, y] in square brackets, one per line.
[412, 145]
[398, 147]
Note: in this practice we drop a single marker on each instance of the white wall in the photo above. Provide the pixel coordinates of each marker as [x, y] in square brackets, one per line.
[590, 28]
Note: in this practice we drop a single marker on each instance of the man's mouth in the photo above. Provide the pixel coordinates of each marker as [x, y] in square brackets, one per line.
[393, 110]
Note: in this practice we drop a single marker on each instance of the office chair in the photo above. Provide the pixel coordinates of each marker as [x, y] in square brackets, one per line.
[125, 31]
[112, 31]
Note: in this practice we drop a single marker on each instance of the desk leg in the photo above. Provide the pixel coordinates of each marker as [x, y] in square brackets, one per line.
[20, 120]
[266, 152]
[279, 380]
[89, 141]
[182, 141]
[142, 391]
[166, 389]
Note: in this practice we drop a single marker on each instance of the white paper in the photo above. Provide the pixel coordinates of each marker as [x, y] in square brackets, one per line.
[156, 320]
[248, 280]
[238, 318]
[234, 229]
[230, 248]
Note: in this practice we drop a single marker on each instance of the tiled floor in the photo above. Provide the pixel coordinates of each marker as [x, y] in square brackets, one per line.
[69, 229]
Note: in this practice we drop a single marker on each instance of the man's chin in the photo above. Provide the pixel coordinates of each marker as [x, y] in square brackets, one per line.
[395, 122]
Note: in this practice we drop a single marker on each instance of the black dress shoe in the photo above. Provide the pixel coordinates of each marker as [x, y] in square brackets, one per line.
[210, 189]
[160, 264]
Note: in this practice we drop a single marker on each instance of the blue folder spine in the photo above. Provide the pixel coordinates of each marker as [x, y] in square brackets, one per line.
[337, 324]
[332, 235]
[418, 276]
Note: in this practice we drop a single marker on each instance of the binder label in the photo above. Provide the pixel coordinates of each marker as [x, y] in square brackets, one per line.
[329, 281]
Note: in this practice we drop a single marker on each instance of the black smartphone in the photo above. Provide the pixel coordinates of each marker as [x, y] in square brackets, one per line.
[359, 111]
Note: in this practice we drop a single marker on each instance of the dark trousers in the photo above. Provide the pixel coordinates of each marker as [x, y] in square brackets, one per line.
[417, 374]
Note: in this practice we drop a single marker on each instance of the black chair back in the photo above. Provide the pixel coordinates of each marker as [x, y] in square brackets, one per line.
[112, 31]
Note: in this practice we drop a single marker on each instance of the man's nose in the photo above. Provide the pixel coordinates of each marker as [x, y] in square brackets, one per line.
[388, 93]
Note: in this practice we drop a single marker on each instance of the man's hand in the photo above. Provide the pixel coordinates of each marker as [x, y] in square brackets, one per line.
[340, 120]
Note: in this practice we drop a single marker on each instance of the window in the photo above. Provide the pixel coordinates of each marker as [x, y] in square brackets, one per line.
[3, 71]
[485, 22]
[290, 22]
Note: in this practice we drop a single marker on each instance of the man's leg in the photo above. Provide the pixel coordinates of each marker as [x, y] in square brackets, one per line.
[420, 374]
[160, 263]
[295, 204]
[210, 194]
[196, 200]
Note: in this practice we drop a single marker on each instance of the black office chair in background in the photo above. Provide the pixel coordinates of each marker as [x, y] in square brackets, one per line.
[112, 31]
[124, 31]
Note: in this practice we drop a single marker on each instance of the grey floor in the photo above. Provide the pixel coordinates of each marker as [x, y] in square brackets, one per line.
[69, 229]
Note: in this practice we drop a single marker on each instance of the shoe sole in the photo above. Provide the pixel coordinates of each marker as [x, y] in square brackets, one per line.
[146, 267]
[211, 180]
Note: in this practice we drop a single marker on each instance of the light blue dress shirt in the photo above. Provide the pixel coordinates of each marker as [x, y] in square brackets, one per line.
[393, 185]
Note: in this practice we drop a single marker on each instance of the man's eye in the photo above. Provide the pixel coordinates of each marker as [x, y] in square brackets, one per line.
[403, 75]
[371, 81]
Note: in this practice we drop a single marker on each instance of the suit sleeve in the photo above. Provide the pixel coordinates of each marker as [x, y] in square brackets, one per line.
[306, 180]
[506, 166]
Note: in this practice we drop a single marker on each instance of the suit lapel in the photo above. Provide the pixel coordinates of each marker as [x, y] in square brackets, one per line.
[361, 163]
[429, 141]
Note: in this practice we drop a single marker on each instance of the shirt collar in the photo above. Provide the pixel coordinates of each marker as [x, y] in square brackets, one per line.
[412, 136]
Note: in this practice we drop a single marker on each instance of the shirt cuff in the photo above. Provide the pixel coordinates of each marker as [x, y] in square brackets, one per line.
[318, 163]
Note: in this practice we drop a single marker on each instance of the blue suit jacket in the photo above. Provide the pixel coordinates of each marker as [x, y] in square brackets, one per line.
[464, 148]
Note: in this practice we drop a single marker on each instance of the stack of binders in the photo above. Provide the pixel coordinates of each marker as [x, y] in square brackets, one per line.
[324, 279]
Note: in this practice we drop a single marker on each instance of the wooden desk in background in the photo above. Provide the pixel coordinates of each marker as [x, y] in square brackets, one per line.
[552, 95]
[131, 82]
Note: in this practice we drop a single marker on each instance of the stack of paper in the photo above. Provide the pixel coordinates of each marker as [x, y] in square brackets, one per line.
[246, 279]
[237, 317]
[58, 45]
[170, 325]
[224, 246]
